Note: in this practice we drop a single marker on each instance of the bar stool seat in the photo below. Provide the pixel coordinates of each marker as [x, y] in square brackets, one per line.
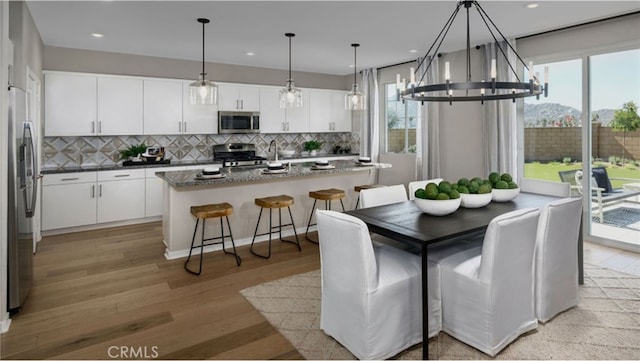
[274, 202]
[208, 211]
[326, 195]
[357, 189]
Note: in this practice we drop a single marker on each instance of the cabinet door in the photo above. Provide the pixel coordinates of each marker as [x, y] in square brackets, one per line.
[121, 200]
[320, 111]
[228, 97]
[162, 107]
[198, 118]
[119, 106]
[68, 205]
[272, 117]
[340, 117]
[249, 98]
[69, 104]
[298, 118]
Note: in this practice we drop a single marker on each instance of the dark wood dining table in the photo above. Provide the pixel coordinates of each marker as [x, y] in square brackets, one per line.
[406, 223]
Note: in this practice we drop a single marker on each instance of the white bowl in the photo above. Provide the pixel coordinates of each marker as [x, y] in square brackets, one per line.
[210, 170]
[322, 162]
[505, 195]
[286, 153]
[364, 159]
[475, 200]
[437, 208]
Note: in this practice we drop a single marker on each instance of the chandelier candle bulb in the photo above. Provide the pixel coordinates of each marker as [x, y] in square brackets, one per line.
[546, 75]
[530, 70]
[447, 74]
[493, 69]
[398, 81]
[412, 75]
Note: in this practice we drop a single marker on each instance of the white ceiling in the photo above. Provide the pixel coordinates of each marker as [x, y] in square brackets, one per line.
[386, 30]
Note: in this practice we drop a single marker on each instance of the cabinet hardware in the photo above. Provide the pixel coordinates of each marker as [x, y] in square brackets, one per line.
[179, 127]
[241, 103]
[93, 127]
[184, 126]
[93, 191]
[100, 127]
[69, 179]
[100, 191]
[121, 175]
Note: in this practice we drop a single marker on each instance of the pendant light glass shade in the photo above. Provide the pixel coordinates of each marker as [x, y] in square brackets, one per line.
[290, 96]
[354, 100]
[203, 91]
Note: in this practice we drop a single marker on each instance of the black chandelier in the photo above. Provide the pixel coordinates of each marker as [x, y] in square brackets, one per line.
[470, 90]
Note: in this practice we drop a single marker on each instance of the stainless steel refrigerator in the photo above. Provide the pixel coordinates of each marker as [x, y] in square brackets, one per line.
[23, 177]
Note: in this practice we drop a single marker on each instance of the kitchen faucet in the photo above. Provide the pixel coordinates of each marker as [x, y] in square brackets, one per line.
[275, 144]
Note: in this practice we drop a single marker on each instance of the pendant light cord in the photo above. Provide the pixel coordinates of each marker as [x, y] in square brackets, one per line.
[355, 62]
[203, 51]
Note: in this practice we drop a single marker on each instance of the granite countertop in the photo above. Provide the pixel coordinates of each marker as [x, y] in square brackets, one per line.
[184, 179]
[119, 166]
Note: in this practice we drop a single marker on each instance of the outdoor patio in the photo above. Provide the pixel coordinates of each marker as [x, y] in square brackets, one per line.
[621, 222]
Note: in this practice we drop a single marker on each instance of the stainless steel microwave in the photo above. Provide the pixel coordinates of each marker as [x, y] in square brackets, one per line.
[238, 122]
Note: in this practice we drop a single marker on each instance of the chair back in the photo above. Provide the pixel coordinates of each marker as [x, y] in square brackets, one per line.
[347, 259]
[508, 247]
[413, 186]
[384, 195]
[558, 189]
[556, 257]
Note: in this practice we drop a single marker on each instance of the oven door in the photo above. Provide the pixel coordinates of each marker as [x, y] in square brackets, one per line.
[238, 122]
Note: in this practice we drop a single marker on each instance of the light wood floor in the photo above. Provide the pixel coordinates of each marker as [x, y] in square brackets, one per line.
[98, 291]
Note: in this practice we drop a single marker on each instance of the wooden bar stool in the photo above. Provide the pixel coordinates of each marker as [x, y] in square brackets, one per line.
[326, 195]
[204, 212]
[278, 202]
[364, 186]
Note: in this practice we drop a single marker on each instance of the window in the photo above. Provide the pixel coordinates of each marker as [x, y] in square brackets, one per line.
[400, 120]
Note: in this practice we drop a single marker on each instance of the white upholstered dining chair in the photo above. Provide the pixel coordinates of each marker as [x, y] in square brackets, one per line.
[413, 186]
[487, 291]
[383, 195]
[371, 295]
[556, 258]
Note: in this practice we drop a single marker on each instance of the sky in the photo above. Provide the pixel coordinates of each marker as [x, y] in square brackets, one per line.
[615, 80]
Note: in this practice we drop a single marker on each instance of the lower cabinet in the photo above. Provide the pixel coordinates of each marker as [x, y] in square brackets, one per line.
[153, 192]
[86, 198]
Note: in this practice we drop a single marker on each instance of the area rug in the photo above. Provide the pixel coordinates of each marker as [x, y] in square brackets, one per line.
[605, 324]
[623, 217]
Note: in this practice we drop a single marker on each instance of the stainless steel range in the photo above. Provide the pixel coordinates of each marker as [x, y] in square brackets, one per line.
[237, 154]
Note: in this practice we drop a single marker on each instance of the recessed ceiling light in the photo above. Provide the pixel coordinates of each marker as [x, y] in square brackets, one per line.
[532, 5]
[351, 65]
[413, 51]
[97, 35]
[250, 53]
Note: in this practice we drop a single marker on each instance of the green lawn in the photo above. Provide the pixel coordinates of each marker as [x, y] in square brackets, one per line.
[549, 171]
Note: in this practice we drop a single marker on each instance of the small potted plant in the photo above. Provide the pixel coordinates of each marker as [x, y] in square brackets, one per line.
[312, 147]
[133, 152]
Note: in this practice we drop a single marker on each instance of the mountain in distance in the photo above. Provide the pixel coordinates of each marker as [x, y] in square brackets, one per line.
[535, 113]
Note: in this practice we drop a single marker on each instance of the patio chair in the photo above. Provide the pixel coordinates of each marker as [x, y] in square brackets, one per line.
[602, 193]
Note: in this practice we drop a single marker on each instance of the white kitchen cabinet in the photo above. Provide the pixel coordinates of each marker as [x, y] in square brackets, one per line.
[198, 118]
[70, 104]
[298, 118]
[272, 117]
[162, 107]
[119, 106]
[68, 200]
[153, 191]
[320, 111]
[121, 195]
[340, 117]
[238, 98]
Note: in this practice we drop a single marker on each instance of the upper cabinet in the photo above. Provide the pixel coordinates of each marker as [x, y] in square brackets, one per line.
[79, 104]
[340, 117]
[119, 110]
[163, 107]
[272, 117]
[197, 118]
[70, 104]
[239, 98]
[328, 113]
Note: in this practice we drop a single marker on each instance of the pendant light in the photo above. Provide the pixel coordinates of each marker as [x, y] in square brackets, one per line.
[354, 100]
[203, 91]
[290, 96]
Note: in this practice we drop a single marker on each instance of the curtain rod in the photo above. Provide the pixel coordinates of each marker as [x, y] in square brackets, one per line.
[541, 33]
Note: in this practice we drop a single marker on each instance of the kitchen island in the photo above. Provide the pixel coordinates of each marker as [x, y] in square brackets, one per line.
[240, 186]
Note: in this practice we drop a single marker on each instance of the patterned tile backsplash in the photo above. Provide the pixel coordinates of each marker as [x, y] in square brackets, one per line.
[63, 152]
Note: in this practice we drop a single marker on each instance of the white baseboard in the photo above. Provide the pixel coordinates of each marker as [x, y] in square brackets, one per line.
[239, 242]
[4, 325]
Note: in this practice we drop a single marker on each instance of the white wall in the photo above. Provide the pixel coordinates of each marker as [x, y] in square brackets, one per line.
[4, 119]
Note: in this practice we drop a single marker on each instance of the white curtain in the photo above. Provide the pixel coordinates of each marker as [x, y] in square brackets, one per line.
[369, 120]
[428, 129]
[499, 121]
